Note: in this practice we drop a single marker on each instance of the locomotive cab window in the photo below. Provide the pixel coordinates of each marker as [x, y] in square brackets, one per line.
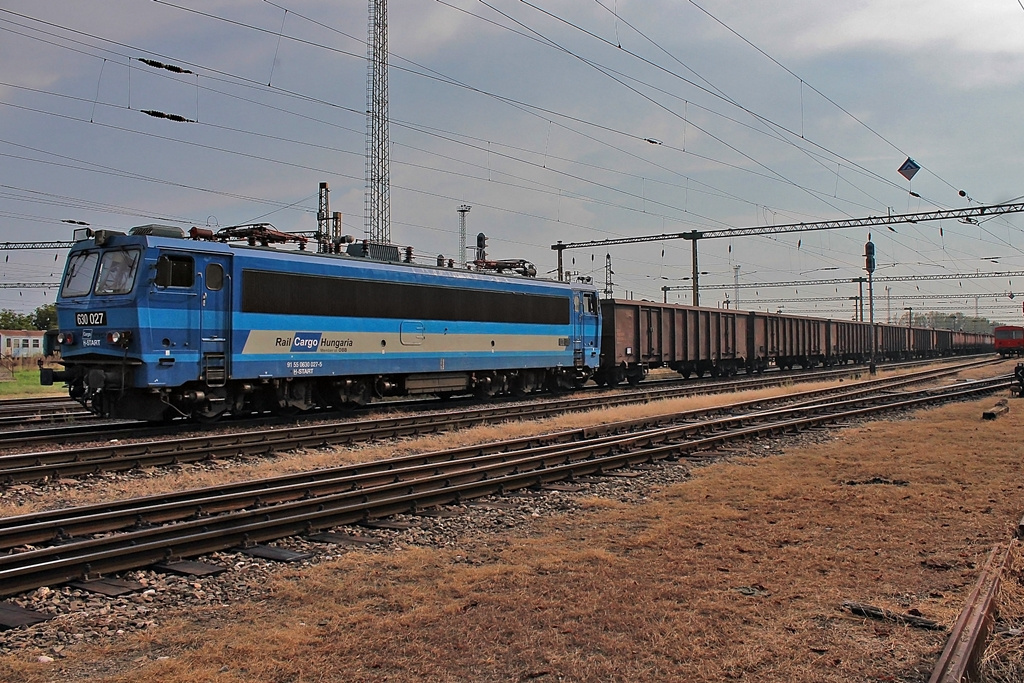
[175, 271]
[214, 277]
[591, 300]
[117, 272]
[80, 272]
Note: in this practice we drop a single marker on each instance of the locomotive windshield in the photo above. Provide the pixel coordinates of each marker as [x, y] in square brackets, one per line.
[81, 269]
[116, 272]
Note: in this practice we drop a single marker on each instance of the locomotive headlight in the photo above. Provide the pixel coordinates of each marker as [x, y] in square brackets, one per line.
[66, 338]
[119, 338]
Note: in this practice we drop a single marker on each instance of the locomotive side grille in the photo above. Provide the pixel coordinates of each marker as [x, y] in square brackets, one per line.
[309, 295]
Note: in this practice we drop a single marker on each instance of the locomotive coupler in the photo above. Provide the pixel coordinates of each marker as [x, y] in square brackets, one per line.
[48, 376]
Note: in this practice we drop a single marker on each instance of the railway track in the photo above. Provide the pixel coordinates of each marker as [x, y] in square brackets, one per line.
[961, 658]
[58, 546]
[40, 409]
[117, 456]
[30, 401]
[42, 420]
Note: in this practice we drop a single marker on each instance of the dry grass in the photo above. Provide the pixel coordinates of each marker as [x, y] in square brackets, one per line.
[640, 592]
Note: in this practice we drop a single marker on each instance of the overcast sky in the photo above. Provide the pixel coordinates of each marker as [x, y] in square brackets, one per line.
[570, 120]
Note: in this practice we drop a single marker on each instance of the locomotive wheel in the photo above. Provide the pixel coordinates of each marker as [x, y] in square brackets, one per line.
[485, 390]
[206, 418]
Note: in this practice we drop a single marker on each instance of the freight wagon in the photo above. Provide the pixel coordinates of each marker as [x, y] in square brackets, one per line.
[639, 336]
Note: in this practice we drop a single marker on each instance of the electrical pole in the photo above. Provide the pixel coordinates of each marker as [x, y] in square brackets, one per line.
[869, 265]
[463, 210]
[736, 286]
[696, 287]
[608, 272]
[860, 297]
[323, 220]
[378, 179]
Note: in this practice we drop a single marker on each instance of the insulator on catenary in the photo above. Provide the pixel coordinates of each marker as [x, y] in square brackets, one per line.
[169, 117]
[161, 65]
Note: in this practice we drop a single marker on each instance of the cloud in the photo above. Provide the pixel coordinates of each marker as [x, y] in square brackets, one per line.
[967, 45]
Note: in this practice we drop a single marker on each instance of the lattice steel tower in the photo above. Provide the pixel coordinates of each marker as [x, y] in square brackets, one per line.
[377, 207]
[463, 210]
[323, 221]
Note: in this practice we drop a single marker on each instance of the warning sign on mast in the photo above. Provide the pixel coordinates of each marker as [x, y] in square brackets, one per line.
[909, 168]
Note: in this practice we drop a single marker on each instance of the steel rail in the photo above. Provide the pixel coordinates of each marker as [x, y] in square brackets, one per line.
[459, 481]
[6, 403]
[36, 466]
[46, 526]
[130, 429]
[961, 658]
[43, 415]
[60, 525]
[134, 429]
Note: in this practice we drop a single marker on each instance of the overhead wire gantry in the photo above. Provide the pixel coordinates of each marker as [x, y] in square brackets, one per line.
[967, 215]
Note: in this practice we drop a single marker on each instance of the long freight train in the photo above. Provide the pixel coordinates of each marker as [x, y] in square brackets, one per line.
[154, 326]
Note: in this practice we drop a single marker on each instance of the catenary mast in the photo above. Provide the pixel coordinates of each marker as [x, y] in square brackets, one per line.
[377, 207]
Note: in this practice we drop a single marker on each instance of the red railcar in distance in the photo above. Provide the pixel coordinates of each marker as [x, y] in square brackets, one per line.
[1009, 340]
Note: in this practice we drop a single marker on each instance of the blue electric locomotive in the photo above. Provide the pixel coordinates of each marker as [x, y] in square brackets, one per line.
[153, 326]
